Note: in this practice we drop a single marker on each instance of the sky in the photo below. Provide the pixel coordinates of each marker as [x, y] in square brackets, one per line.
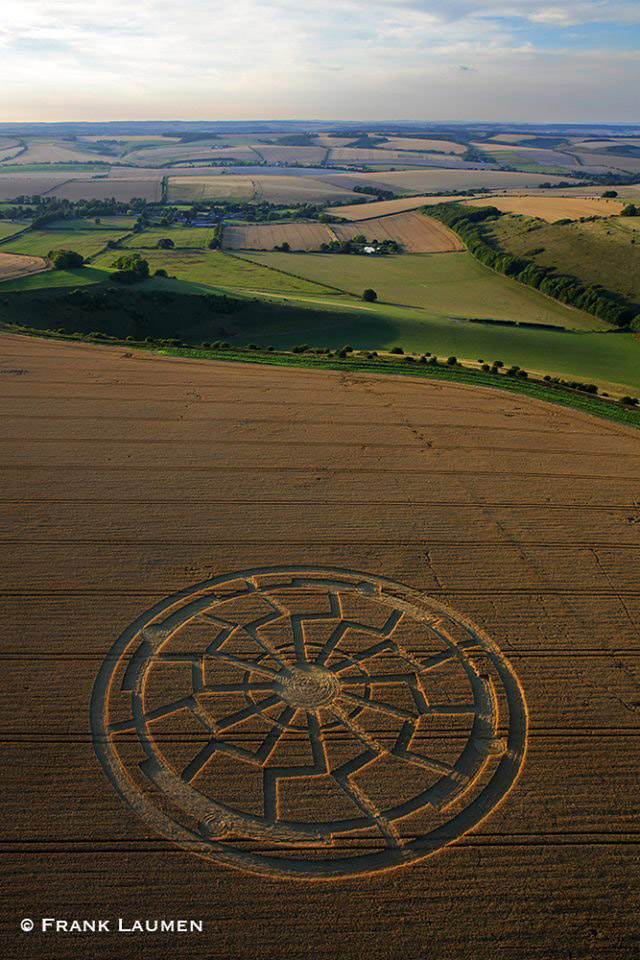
[431, 60]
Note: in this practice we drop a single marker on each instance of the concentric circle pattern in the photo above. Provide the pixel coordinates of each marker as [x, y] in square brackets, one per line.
[308, 722]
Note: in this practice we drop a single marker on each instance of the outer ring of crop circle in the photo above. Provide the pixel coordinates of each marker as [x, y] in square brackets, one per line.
[504, 778]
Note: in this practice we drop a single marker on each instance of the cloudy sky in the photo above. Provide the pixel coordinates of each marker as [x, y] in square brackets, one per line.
[577, 61]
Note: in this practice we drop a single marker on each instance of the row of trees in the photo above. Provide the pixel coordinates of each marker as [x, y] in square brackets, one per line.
[468, 224]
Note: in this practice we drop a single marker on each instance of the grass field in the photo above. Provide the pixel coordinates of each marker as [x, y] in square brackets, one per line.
[55, 280]
[8, 229]
[40, 242]
[215, 269]
[602, 252]
[450, 285]
[189, 237]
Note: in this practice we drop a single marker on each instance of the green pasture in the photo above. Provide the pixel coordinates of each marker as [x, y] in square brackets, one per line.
[449, 285]
[219, 270]
[604, 251]
[38, 243]
[189, 237]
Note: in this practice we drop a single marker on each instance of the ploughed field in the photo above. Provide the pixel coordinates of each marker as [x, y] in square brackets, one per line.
[415, 234]
[13, 266]
[392, 648]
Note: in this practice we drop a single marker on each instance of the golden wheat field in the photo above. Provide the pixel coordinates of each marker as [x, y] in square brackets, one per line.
[552, 208]
[315, 657]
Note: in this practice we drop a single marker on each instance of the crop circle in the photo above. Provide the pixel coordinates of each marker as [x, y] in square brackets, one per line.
[308, 722]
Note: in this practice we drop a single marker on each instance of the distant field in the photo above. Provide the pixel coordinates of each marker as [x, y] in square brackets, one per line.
[216, 269]
[40, 242]
[282, 154]
[598, 252]
[446, 285]
[382, 208]
[186, 189]
[413, 143]
[380, 155]
[28, 184]
[274, 189]
[176, 152]
[414, 232]
[78, 189]
[53, 151]
[196, 237]
[13, 266]
[265, 236]
[435, 181]
[551, 207]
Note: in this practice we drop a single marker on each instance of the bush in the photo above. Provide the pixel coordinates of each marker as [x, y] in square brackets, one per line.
[165, 243]
[160, 272]
[369, 295]
[130, 268]
[630, 211]
[396, 350]
[452, 361]
[65, 259]
[629, 401]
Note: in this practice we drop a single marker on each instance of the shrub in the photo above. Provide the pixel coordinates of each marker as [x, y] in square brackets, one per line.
[630, 211]
[165, 243]
[396, 350]
[452, 361]
[160, 272]
[369, 295]
[629, 401]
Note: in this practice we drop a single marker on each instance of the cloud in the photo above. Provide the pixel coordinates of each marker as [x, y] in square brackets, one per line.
[280, 58]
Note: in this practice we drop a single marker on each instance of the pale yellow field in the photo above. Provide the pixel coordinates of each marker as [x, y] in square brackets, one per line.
[600, 144]
[54, 151]
[150, 190]
[378, 155]
[280, 154]
[273, 189]
[413, 143]
[414, 232]
[190, 151]
[435, 180]
[382, 208]
[551, 207]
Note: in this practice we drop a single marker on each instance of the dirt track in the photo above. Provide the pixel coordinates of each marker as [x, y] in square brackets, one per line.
[127, 478]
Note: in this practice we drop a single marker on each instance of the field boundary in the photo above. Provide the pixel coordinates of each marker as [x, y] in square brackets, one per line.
[555, 394]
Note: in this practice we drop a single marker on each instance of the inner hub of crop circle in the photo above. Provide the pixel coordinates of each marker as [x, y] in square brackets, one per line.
[307, 686]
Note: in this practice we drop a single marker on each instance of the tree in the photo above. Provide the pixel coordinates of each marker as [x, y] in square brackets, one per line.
[630, 211]
[610, 193]
[65, 259]
[130, 268]
[369, 295]
[165, 243]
